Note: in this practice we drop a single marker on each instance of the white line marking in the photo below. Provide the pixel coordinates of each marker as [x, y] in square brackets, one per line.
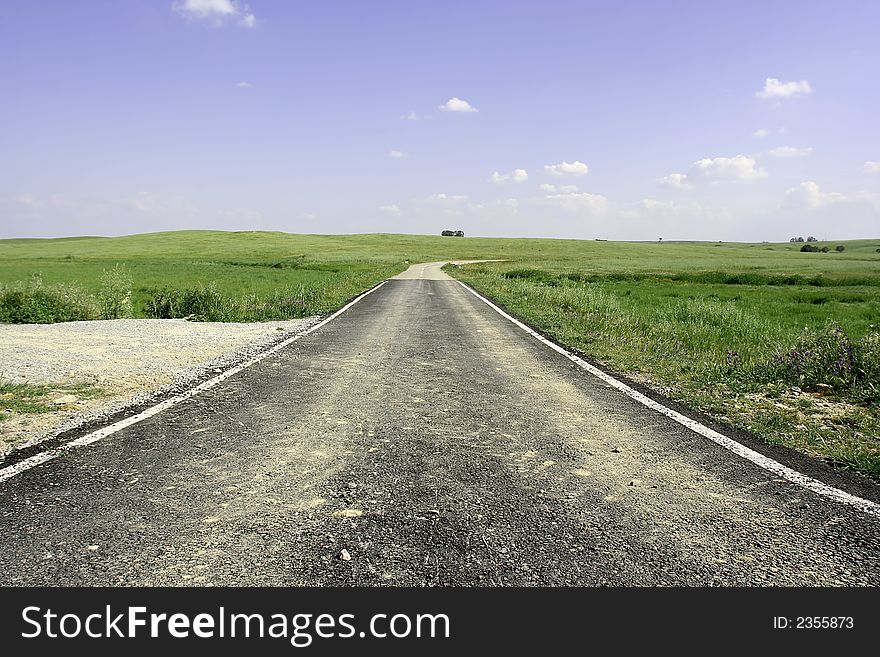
[757, 458]
[28, 463]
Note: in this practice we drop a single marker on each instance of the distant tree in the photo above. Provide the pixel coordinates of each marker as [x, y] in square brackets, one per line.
[812, 239]
[840, 248]
[799, 239]
[809, 248]
[793, 239]
[824, 249]
[660, 239]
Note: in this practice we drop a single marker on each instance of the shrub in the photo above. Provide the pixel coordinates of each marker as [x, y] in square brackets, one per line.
[114, 295]
[203, 303]
[809, 248]
[840, 248]
[830, 358]
[32, 302]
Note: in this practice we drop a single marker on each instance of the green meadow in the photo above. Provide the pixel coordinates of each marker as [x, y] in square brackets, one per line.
[761, 336]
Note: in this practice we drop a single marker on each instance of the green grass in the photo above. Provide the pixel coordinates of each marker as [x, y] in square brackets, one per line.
[710, 324]
[727, 335]
[24, 398]
[261, 275]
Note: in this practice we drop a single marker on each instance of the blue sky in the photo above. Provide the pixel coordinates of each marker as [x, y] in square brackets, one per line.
[622, 120]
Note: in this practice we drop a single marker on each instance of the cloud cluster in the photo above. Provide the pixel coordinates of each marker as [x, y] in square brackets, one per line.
[872, 167]
[558, 189]
[216, 12]
[713, 170]
[576, 168]
[443, 197]
[456, 104]
[808, 195]
[516, 176]
[789, 151]
[675, 181]
[396, 154]
[776, 90]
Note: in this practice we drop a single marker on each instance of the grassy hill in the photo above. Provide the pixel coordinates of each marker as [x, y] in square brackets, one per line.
[321, 271]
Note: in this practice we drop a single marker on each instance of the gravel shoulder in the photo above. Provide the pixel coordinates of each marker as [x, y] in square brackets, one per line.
[128, 360]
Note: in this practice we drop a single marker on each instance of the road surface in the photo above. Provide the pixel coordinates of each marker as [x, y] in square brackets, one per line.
[435, 443]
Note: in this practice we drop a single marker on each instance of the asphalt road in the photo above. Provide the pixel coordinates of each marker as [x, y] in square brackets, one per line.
[436, 444]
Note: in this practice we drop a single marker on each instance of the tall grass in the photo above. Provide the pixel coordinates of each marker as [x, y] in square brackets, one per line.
[114, 295]
[32, 302]
[829, 359]
[801, 374]
[207, 303]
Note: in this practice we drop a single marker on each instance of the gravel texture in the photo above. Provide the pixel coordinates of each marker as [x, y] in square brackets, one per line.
[130, 360]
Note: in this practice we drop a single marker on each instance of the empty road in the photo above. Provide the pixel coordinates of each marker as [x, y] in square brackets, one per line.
[420, 438]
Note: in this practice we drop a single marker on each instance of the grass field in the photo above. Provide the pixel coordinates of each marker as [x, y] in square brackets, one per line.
[761, 336]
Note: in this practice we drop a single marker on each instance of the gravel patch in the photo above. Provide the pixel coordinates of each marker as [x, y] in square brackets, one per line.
[130, 360]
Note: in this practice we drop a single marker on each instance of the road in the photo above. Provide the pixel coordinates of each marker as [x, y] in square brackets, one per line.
[435, 443]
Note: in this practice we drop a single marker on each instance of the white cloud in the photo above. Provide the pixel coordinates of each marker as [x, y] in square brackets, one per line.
[397, 155]
[516, 176]
[872, 167]
[203, 8]
[456, 104]
[774, 89]
[675, 181]
[760, 132]
[442, 197]
[789, 151]
[244, 85]
[576, 168]
[578, 202]
[558, 189]
[808, 195]
[393, 210]
[216, 12]
[725, 169]
[414, 116]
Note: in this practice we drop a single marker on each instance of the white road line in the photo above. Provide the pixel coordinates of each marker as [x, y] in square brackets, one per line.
[739, 449]
[28, 463]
